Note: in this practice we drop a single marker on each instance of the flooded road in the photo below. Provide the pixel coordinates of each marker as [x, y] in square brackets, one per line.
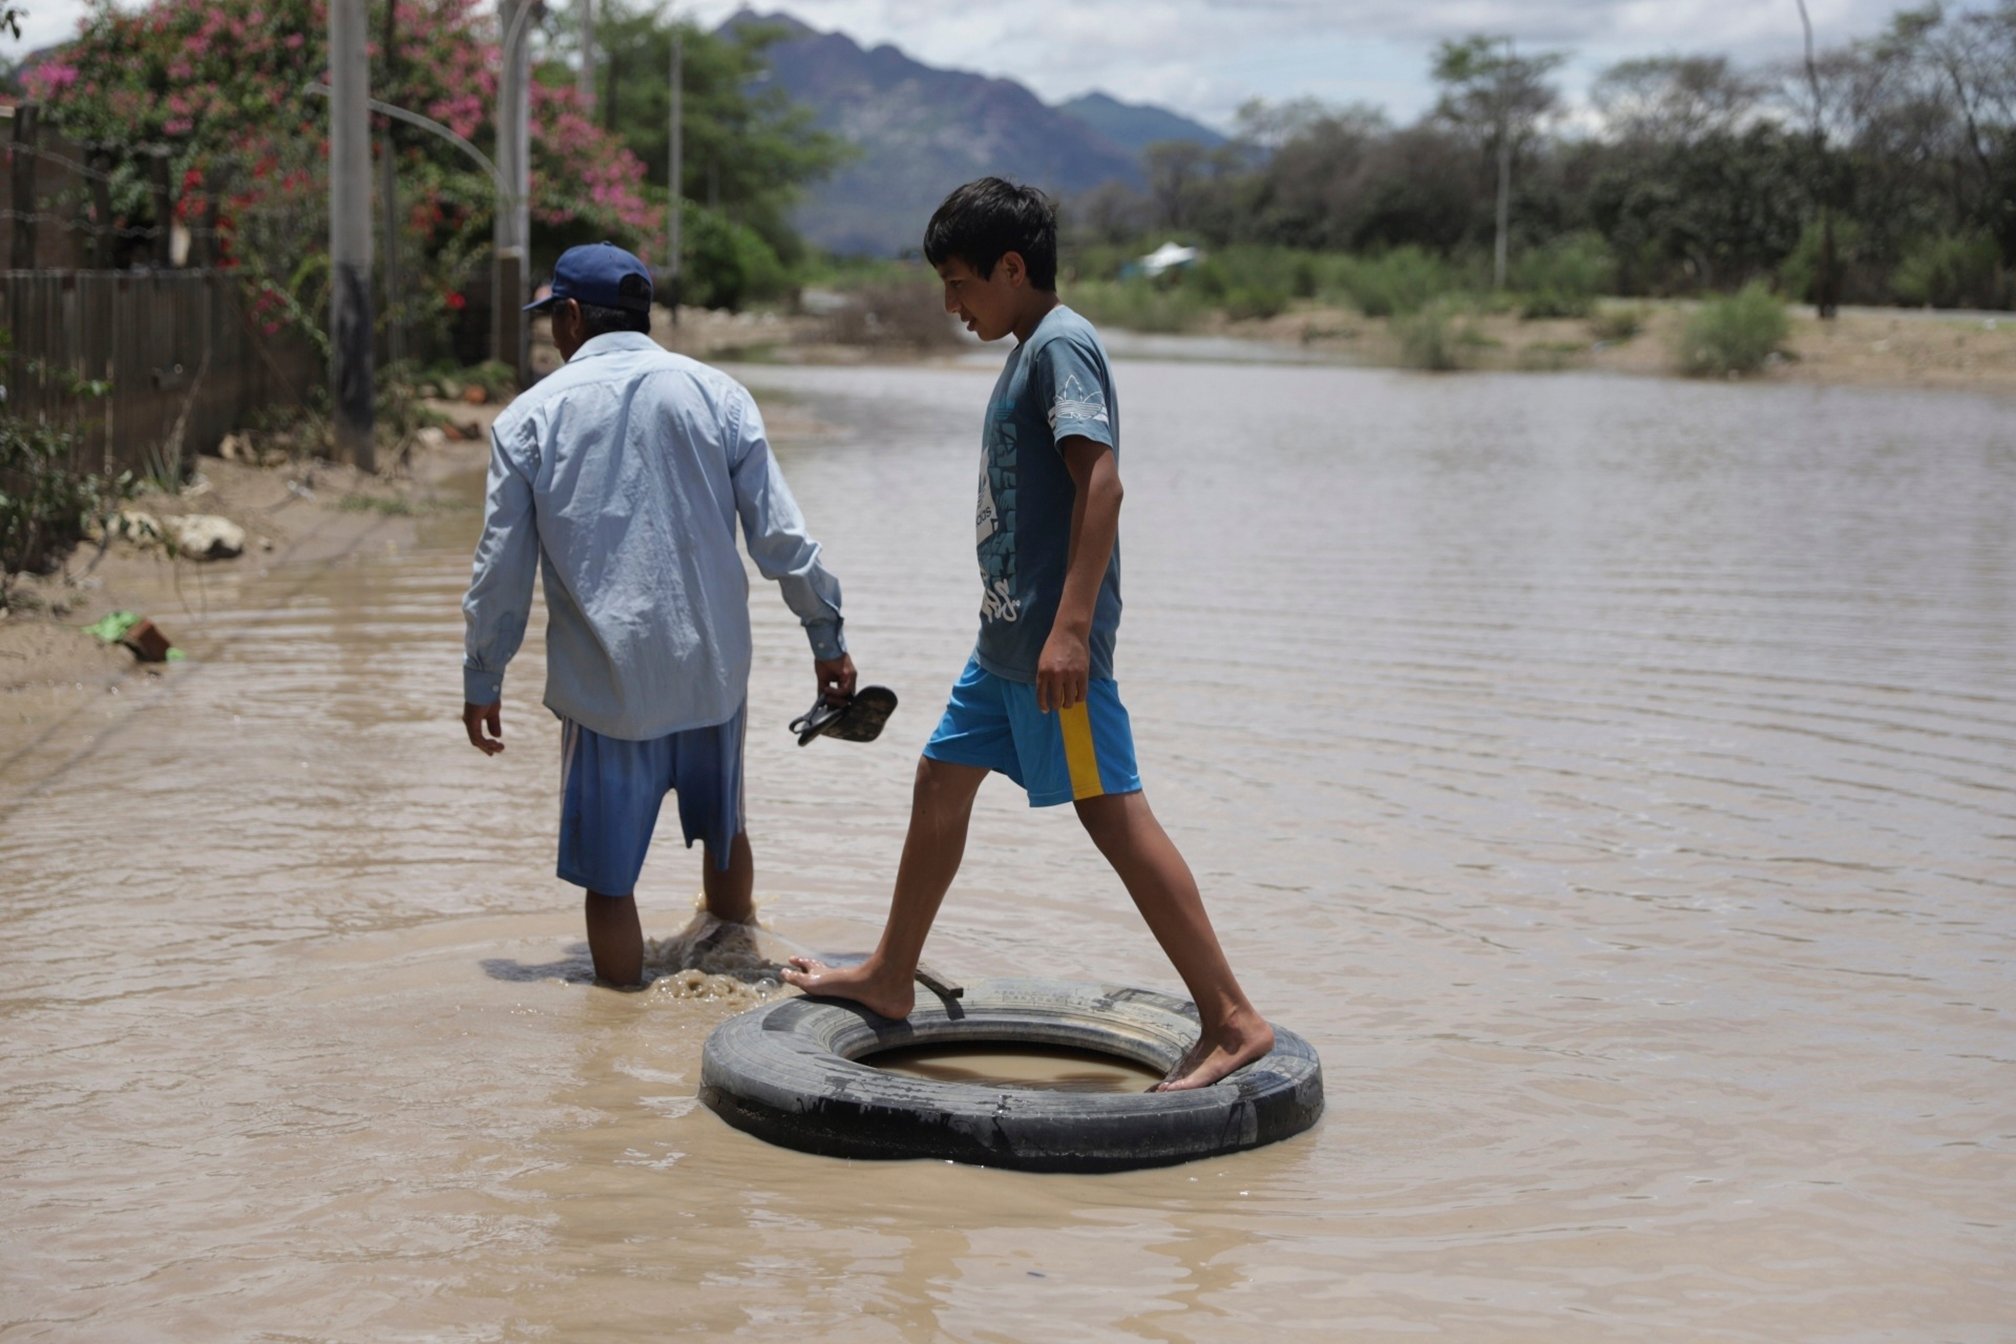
[1611, 778]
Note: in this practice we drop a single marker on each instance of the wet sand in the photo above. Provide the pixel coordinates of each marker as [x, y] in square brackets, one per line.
[1610, 777]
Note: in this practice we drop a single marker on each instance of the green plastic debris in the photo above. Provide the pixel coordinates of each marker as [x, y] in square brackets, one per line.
[113, 627]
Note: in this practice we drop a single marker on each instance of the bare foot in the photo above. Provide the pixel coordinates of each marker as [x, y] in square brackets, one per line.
[865, 986]
[1217, 1053]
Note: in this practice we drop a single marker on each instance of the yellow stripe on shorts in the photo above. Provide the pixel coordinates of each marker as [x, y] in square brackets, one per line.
[1079, 754]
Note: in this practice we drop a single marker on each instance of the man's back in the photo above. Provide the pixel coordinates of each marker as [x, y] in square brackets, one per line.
[630, 465]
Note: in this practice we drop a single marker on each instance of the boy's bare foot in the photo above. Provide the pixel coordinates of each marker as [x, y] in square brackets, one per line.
[865, 986]
[1218, 1052]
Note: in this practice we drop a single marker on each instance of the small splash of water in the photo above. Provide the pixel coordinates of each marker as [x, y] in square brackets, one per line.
[711, 959]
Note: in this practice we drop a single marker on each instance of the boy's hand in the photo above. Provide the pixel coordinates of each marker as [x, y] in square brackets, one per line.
[1062, 671]
[476, 718]
[836, 679]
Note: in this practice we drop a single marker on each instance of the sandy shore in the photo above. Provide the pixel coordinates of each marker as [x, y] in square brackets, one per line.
[1864, 347]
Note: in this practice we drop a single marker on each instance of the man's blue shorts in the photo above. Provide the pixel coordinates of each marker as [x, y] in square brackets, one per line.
[1076, 753]
[610, 790]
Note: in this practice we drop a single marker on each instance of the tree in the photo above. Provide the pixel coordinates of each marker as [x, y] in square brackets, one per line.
[1500, 98]
[1675, 99]
[223, 84]
[749, 150]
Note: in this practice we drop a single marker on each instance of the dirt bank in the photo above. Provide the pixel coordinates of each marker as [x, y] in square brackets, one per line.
[1867, 347]
[292, 513]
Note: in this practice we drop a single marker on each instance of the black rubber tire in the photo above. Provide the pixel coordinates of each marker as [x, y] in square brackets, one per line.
[787, 1072]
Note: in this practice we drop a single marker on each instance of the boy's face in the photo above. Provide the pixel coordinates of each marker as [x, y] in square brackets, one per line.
[988, 307]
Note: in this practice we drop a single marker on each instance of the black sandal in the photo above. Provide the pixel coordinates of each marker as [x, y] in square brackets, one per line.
[859, 720]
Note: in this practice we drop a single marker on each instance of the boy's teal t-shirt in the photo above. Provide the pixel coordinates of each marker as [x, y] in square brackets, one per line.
[1056, 384]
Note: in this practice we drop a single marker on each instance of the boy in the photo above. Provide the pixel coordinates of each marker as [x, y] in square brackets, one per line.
[622, 476]
[1037, 700]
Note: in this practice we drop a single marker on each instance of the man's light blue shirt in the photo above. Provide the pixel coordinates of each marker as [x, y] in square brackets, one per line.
[620, 476]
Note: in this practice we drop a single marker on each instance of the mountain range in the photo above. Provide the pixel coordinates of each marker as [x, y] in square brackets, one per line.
[919, 131]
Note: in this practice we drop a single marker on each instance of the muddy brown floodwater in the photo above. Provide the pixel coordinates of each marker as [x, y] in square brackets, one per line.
[1611, 778]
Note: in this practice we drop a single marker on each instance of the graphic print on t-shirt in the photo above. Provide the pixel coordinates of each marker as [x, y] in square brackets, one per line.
[1077, 403]
[994, 523]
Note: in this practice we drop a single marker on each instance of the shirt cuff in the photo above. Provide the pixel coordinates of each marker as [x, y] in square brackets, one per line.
[827, 641]
[482, 688]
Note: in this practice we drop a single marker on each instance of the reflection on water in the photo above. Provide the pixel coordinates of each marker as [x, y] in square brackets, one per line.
[1019, 1067]
[1611, 778]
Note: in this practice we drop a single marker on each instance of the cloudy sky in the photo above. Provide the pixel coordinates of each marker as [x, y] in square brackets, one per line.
[1205, 57]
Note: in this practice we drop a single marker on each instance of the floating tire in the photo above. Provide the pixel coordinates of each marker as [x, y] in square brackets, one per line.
[790, 1072]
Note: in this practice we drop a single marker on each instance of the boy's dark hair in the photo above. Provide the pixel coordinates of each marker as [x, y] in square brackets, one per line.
[984, 219]
[598, 321]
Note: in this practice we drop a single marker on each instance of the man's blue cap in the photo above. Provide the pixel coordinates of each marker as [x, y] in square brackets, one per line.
[601, 274]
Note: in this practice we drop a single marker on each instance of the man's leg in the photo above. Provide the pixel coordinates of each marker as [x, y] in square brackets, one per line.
[730, 892]
[941, 805]
[1231, 1031]
[615, 939]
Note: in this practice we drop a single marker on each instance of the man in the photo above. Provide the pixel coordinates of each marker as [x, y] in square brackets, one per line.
[622, 476]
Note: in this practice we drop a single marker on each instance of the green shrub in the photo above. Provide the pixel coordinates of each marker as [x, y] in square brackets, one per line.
[726, 264]
[1139, 305]
[1562, 278]
[44, 500]
[1960, 270]
[1617, 325]
[1401, 281]
[1734, 334]
[1801, 266]
[1438, 337]
[1250, 281]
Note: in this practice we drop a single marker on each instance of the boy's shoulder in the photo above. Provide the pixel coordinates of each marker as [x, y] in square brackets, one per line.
[1067, 324]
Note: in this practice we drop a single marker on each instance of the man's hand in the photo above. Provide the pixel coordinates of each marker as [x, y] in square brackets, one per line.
[476, 718]
[836, 679]
[1062, 671]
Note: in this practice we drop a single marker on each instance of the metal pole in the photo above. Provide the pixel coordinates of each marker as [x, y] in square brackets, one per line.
[350, 373]
[674, 196]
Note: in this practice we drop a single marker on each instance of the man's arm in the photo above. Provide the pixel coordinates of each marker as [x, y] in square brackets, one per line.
[774, 531]
[499, 601]
[1066, 663]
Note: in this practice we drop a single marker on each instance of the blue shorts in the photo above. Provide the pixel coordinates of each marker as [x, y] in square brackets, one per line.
[1080, 752]
[610, 790]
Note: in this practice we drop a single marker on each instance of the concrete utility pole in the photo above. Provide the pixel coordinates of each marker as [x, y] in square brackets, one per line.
[511, 233]
[584, 77]
[388, 201]
[350, 374]
[674, 197]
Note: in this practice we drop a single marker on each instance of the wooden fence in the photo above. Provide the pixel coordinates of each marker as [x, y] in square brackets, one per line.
[105, 332]
[152, 367]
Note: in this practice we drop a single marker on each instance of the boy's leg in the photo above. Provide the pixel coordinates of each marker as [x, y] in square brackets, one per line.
[729, 890]
[615, 939]
[1231, 1031]
[941, 806]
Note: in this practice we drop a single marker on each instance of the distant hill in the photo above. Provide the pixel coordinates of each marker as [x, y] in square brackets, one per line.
[1135, 126]
[921, 131]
